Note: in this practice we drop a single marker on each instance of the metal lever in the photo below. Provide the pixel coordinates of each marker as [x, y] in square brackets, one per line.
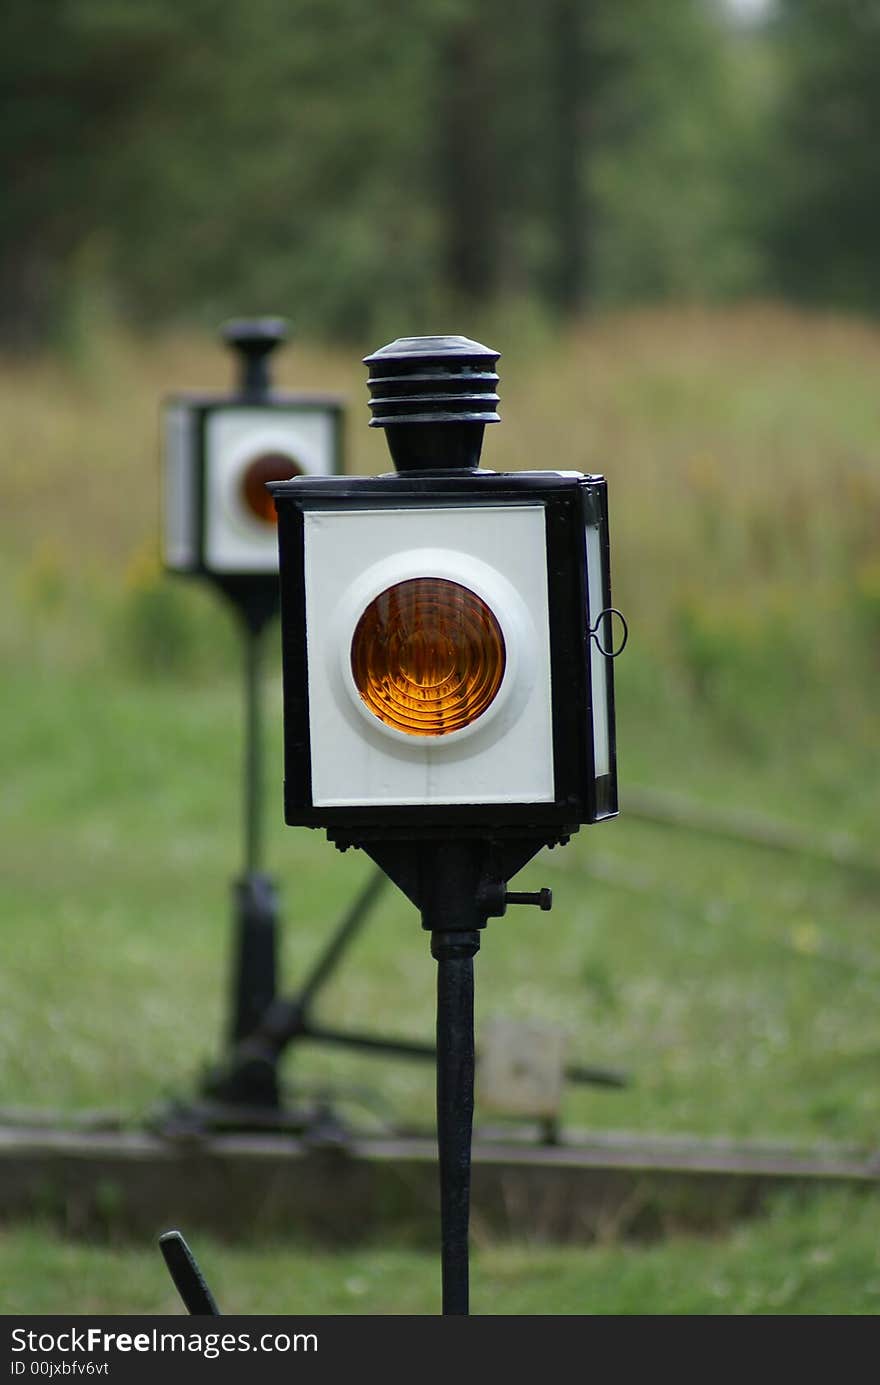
[543, 899]
[188, 1279]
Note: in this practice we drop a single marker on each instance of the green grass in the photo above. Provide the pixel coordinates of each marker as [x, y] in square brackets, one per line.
[738, 986]
[807, 1257]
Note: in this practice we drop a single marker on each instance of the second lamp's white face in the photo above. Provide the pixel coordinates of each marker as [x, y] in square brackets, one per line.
[429, 656]
[244, 448]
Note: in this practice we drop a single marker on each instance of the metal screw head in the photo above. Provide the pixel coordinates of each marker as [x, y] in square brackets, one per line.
[542, 899]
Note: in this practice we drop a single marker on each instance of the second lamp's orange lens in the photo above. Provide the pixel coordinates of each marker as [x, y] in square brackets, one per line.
[270, 466]
[427, 656]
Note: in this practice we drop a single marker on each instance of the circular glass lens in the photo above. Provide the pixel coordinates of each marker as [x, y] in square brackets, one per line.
[428, 656]
[270, 466]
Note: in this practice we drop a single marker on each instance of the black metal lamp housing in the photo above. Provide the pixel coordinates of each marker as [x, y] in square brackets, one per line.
[445, 664]
[219, 523]
[220, 451]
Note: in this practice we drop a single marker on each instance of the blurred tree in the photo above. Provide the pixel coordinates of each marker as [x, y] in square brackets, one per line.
[676, 121]
[587, 149]
[824, 221]
[283, 166]
[467, 150]
[572, 75]
[74, 76]
[352, 164]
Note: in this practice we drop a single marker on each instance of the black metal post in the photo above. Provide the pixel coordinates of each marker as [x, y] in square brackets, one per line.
[454, 953]
[253, 762]
[454, 905]
[188, 1279]
[256, 907]
[457, 886]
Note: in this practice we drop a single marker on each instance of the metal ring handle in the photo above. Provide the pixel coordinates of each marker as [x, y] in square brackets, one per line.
[594, 629]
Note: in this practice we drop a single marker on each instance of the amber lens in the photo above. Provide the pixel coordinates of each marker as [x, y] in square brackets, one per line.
[427, 656]
[271, 466]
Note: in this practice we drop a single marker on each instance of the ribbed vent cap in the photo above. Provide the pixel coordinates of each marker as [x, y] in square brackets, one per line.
[254, 339]
[445, 379]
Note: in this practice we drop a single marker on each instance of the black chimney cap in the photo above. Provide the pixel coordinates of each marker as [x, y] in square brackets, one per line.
[441, 379]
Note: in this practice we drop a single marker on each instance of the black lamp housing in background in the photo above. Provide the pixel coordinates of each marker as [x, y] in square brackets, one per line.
[219, 451]
[219, 524]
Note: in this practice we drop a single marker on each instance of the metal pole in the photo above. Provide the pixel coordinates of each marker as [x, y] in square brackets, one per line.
[256, 908]
[348, 929]
[454, 953]
[253, 777]
[188, 1279]
[457, 885]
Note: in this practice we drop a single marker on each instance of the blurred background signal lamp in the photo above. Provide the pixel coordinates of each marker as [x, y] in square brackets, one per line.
[221, 450]
[219, 524]
[269, 466]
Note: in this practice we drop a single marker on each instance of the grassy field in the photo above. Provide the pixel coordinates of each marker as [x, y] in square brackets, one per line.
[812, 1257]
[739, 987]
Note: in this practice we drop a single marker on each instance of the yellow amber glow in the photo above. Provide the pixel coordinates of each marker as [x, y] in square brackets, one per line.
[427, 656]
[271, 466]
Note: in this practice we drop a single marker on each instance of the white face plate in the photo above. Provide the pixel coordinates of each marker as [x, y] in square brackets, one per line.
[179, 536]
[235, 539]
[598, 603]
[500, 553]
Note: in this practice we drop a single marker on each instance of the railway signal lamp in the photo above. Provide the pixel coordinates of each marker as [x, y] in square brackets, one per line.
[445, 627]
[219, 524]
[448, 688]
[219, 453]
